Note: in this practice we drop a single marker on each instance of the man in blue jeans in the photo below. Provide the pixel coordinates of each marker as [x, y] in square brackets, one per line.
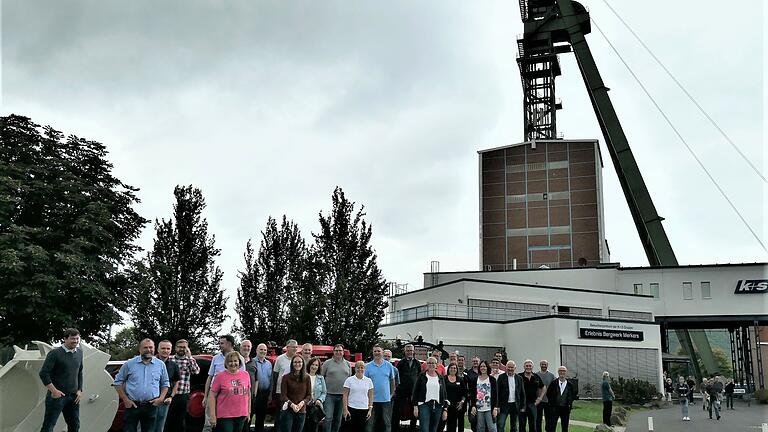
[142, 384]
[336, 371]
[260, 401]
[512, 402]
[382, 373]
[62, 375]
[534, 390]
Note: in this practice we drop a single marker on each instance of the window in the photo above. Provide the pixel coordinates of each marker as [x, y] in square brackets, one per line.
[630, 315]
[589, 362]
[706, 292]
[638, 288]
[581, 311]
[655, 290]
[687, 291]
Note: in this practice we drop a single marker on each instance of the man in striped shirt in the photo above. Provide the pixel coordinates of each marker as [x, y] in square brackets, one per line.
[187, 367]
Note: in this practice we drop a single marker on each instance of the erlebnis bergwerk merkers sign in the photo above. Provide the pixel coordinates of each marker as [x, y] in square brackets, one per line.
[753, 286]
[610, 331]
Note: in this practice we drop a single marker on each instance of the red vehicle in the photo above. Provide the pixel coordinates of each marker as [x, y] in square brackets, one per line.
[195, 410]
[195, 414]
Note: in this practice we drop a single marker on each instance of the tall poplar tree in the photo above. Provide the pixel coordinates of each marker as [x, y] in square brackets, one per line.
[250, 304]
[177, 286]
[276, 298]
[349, 276]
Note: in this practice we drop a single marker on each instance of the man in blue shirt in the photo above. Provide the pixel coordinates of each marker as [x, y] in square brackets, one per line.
[388, 358]
[142, 384]
[259, 406]
[382, 374]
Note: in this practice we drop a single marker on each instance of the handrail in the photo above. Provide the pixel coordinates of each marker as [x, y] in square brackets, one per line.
[480, 313]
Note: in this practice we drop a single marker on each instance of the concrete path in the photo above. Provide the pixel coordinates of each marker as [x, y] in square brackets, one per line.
[742, 419]
[592, 425]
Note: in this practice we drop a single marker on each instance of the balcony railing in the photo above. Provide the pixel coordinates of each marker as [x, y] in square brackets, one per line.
[477, 313]
[445, 310]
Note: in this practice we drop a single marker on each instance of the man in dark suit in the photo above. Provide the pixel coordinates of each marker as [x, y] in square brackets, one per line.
[561, 393]
[511, 397]
[408, 369]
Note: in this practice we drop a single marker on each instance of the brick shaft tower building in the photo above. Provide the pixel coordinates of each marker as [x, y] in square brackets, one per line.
[541, 205]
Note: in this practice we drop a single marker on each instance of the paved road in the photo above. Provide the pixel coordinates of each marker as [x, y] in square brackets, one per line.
[742, 419]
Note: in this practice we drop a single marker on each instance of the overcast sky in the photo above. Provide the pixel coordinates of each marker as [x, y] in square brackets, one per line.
[267, 106]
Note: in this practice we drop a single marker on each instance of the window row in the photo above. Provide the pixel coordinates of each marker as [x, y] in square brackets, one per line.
[490, 310]
[706, 290]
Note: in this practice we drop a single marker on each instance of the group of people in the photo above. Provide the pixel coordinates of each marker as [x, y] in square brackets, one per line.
[155, 387]
[489, 392]
[712, 392]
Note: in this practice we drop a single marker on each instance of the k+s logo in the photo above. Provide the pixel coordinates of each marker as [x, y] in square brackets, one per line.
[754, 286]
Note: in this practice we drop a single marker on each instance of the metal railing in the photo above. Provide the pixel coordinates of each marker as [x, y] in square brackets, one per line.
[478, 313]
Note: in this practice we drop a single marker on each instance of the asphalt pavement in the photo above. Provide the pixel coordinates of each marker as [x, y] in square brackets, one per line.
[743, 419]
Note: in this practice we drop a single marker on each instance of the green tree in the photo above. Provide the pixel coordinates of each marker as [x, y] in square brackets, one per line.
[307, 308]
[67, 229]
[123, 345]
[176, 287]
[349, 276]
[278, 297]
[250, 304]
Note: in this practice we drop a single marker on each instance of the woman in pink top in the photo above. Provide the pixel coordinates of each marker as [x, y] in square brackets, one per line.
[230, 396]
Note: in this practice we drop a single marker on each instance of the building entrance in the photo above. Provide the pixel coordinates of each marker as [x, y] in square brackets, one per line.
[735, 346]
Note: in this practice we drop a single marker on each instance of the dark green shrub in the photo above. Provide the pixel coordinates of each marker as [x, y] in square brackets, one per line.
[633, 391]
[762, 396]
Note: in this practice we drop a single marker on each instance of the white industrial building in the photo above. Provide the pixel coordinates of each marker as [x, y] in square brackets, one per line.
[590, 319]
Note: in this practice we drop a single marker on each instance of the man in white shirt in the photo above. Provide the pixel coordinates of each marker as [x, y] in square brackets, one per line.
[281, 368]
[561, 393]
[511, 397]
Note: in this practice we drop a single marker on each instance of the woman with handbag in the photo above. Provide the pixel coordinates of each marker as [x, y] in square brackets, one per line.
[315, 413]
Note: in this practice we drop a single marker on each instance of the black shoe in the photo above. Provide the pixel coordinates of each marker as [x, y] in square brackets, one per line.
[718, 417]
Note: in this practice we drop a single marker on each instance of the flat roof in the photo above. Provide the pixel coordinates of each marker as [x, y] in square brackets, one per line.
[596, 142]
[484, 281]
[554, 141]
[609, 266]
[519, 320]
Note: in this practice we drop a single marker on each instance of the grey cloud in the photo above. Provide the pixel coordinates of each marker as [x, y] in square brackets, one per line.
[267, 105]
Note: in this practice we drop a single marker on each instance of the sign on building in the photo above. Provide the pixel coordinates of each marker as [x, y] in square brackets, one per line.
[609, 331]
[753, 286]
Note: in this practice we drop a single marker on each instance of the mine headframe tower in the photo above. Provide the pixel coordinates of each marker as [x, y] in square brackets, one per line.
[554, 27]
